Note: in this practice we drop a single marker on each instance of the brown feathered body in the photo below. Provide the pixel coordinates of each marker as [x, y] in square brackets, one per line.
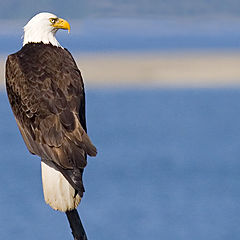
[46, 93]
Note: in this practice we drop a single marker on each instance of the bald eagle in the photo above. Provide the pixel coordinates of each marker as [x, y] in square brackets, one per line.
[46, 93]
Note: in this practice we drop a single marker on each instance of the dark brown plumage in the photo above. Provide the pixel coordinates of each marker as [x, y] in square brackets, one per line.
[46, 93]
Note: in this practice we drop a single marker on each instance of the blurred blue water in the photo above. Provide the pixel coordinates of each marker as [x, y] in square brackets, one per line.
[106, 35]
[168, 168]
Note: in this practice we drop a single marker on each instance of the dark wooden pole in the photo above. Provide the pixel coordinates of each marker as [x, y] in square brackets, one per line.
[78, 231]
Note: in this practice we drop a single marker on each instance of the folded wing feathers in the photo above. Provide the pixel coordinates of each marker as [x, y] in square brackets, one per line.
[57, 134]
[50, 107]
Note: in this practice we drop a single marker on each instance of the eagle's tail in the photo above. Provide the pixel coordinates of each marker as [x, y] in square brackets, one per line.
[76, 225]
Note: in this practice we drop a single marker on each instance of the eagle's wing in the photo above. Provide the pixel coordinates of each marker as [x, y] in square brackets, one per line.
[46, 93]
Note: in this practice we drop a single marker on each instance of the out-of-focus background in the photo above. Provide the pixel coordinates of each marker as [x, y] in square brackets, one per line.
[163, 107]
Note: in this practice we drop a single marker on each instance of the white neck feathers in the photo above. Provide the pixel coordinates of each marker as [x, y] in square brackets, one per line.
[36, 36]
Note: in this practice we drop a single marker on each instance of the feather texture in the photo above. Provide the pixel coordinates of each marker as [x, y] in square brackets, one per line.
[46, 93]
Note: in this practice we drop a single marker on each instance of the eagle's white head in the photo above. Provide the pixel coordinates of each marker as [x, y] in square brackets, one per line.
[43, 27]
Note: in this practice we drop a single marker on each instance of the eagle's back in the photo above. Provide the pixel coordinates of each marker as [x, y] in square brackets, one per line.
[39, 70]
[46, 93]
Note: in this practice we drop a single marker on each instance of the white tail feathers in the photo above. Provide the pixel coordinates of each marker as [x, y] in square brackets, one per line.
[58, 193]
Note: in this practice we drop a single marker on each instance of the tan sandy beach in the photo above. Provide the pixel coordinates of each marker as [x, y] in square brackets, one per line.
[191, 69]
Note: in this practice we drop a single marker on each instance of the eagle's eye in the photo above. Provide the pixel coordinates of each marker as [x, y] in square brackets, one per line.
[53, 20]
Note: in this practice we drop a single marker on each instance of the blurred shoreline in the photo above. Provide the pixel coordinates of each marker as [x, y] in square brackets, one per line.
[156, 69]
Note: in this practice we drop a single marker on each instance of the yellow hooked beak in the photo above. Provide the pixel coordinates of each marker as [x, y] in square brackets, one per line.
[62, 23]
